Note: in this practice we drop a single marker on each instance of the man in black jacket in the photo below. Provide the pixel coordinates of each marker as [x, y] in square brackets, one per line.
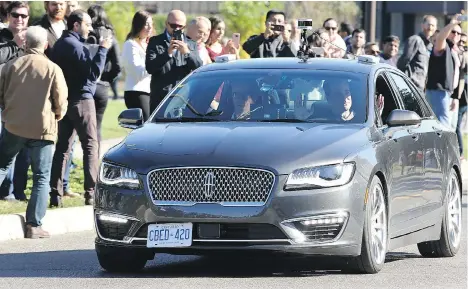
[271, 43]
[414, 61]
[12, 38]
[169, 60]
[54, 22]
[81, 73]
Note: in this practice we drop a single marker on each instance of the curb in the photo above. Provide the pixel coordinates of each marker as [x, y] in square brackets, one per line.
[56, 222]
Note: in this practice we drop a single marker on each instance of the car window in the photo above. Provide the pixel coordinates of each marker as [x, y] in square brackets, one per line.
[382, 87]
[263, 95]
[408, 96]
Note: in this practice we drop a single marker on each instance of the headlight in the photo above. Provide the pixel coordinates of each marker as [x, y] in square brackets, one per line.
[118, 176]
[320, 177]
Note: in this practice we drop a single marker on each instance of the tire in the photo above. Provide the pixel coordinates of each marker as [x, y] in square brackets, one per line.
[449, 242]
[373, 253]
[121, 260]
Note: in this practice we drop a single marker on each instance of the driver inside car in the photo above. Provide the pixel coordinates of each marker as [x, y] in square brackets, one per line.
[339, 103]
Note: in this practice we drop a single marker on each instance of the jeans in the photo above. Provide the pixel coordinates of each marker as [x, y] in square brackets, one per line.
[41, 161]
[440, 102]
[461, 110]
[68, 168]
[7, 187]
[20, 176]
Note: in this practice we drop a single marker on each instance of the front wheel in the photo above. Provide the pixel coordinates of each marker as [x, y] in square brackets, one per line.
[450, 235]
[375, 231]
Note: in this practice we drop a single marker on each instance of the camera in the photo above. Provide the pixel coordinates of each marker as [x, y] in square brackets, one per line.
[304, 24]
[177, 34]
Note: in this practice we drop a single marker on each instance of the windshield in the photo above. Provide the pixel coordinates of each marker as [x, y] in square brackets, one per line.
[294, 95]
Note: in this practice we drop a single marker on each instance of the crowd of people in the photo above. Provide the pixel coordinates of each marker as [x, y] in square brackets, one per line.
[57, 74]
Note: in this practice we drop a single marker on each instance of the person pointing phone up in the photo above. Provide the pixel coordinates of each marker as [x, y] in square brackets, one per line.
[275, 41]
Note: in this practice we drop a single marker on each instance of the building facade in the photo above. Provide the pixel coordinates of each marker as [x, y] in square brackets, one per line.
[404, 18]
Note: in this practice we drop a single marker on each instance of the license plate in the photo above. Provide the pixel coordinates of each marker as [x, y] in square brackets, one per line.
[169, 235]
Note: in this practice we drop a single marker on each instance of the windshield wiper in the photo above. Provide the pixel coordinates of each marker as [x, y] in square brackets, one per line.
[186, 119]
[285, 120]
[194, 111]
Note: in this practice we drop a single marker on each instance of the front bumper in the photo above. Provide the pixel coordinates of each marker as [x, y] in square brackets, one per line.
[316, 222]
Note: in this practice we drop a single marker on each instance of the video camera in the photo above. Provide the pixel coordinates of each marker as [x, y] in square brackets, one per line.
[304, 52]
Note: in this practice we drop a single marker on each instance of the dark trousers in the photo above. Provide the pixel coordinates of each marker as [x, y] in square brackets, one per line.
[41, 162]
[138, 99]
[156, 98]
[80, 119]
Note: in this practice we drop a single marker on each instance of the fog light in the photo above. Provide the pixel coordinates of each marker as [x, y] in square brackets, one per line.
[323, 221]
[112, 219]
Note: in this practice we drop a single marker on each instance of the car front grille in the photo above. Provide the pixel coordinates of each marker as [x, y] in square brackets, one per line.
[227, 186]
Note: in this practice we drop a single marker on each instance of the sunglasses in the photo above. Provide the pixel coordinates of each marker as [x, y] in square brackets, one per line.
[331, 28]
[456, 32]
[175, 26]
[18, 15]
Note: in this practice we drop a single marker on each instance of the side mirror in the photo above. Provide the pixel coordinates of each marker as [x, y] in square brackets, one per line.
[399, 117]
[131, 118]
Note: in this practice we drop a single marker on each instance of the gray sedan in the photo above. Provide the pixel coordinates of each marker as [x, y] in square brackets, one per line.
[319, 157]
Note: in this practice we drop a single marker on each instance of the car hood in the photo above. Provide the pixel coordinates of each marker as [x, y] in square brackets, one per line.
[281, 147]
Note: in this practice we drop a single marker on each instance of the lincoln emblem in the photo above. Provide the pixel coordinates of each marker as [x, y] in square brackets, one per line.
[209, 185]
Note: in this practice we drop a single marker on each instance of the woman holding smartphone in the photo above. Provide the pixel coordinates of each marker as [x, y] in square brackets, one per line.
[137, 80]
[214, 46]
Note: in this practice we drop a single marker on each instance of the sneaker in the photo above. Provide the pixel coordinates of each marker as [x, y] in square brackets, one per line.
[71, 194]
[36, 232]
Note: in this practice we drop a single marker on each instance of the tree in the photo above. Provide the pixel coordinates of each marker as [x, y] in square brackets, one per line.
[246, 18]
[120, 15]
[345, 11]
[36, 11]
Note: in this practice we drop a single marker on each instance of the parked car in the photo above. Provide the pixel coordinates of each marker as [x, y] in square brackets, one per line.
[319, 157]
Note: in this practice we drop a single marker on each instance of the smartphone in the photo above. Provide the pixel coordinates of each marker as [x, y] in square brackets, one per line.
[236, 39]
[106, 33]
[462, 18]
[177, 35]
[276, 27]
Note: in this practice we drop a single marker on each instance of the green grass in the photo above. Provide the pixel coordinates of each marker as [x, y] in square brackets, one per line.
[110, 124]
[76, 184]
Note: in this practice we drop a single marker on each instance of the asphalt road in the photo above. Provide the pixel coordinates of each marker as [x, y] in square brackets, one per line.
[69, 261]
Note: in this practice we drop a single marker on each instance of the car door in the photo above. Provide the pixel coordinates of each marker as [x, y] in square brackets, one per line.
[415, 198]
[395, 153]
[434, 156]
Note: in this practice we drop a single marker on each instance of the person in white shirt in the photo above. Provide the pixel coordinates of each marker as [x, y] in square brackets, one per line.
[338, 49]
[138, 80]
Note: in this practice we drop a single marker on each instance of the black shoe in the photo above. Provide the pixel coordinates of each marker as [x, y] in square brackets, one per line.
[89, 201]
[56, 202]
